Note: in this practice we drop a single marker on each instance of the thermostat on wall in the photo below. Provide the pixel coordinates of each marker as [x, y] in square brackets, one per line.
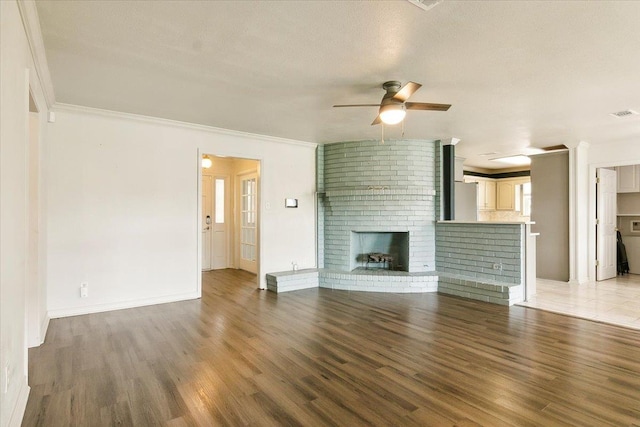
[635, 226]
[290, 203]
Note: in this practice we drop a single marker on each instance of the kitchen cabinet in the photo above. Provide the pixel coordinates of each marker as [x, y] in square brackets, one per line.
[500, 194]
[510, 195]
[486, 193]
[505, 196]
[489, 192]
[628, 179]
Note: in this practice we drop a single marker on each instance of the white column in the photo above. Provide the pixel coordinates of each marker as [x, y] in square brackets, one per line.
[578, 212]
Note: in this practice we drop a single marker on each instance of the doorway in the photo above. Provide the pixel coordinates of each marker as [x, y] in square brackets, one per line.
[230, 213]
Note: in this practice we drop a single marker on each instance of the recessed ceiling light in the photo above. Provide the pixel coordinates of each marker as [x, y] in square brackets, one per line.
[624, 113]
[517, 160]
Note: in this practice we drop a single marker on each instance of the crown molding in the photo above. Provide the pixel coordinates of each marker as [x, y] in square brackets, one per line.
[449, 141]
[31, 24]
[175, 123]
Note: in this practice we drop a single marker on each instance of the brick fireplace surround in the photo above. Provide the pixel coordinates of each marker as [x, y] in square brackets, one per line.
[394, 187]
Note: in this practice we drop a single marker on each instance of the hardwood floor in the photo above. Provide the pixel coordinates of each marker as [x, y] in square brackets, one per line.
[241, 356]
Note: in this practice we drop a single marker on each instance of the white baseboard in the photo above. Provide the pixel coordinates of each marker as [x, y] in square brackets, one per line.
[21, 404]
[99, 308]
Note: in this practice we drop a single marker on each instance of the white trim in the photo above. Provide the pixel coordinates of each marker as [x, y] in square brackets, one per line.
[450, 141]
[179, 124]
[31, 24]
[592, 220]
[573, 164]
[21, 404]
[99, 308]
[578, 206]
[44, 327]
[199, 222]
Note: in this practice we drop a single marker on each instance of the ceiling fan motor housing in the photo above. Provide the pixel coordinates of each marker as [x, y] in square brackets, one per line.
[392, 86]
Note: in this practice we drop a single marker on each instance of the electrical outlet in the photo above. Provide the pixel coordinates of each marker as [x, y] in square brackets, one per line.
[497, 266]
[84, 289]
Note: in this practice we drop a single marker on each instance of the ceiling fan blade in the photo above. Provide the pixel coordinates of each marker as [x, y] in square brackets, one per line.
[377, 121]
[407, 90]
[358, 105]
[427, 106]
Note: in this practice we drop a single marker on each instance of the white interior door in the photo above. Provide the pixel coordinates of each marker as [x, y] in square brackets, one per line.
[248, 222]
[220, 225]
[606, 241]
[207, 219]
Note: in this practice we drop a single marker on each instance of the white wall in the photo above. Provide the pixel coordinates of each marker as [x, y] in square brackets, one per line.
[123, 207]
[17, 73]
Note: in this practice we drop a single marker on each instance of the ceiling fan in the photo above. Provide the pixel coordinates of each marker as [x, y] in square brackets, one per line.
[394, 103]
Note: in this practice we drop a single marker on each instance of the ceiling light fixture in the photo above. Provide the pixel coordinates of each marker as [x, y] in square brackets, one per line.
[517, 160]
[206, 162]
[393, 113]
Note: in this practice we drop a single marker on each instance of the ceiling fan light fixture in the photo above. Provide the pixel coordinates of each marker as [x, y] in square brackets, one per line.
[392, 114]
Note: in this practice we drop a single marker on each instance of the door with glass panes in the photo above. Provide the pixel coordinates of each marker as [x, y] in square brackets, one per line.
[220, 244]
[248, 222]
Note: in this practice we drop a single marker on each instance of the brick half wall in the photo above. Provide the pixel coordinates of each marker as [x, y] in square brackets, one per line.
[472, 250]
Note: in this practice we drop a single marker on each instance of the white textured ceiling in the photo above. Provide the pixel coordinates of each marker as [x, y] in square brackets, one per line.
[518, 73]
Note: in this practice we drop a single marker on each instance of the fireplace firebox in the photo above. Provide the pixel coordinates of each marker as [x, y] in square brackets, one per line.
[379, 250]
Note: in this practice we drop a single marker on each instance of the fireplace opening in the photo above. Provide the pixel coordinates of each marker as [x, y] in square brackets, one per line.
[379, 250]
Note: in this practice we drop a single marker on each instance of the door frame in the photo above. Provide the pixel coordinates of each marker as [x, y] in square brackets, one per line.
[198, 229]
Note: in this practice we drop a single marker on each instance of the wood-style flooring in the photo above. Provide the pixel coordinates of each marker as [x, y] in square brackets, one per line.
[241, 356]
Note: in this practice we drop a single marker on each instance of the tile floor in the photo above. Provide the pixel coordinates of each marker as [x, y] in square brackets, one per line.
[615, 301]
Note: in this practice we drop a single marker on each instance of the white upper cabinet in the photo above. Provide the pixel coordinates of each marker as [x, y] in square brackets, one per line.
[486, 192]
[506, 196]
[628, 179]
[509, 194]
[489, 195]
[501, 194]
